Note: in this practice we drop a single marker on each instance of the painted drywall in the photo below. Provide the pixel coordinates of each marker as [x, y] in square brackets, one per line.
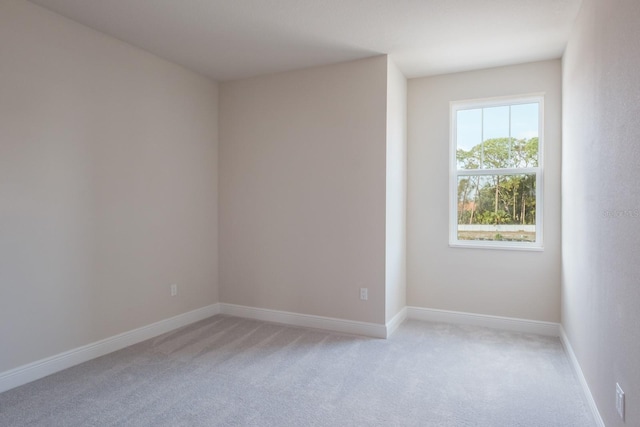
[108, 186]
[302, 190]
[600, 215]
[396, 214]
[521, 284]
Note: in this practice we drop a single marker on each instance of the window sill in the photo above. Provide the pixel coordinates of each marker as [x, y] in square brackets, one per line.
[497, 246]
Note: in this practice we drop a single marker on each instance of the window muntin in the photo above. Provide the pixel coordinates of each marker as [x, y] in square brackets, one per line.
[496, 173]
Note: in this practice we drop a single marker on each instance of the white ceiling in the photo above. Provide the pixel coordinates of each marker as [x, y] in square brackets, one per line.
[232, 39]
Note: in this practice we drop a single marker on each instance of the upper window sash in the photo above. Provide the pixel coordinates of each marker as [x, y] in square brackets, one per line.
[484, 129]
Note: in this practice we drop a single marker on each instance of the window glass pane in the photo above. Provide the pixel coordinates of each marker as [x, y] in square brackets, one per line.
[524, 130]
[524, 121]
[495, 122]
[468, 136]
[497, 208]
[496, 145]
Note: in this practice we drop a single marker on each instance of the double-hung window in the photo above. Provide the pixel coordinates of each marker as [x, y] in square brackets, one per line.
[496, 173]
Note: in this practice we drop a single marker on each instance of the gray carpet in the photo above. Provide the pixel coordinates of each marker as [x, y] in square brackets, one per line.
[226, 371]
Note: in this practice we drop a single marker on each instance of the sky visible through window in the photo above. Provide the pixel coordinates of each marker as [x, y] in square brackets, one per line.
[477, 125]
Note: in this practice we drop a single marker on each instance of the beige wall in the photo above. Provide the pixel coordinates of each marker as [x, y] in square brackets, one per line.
[107, 186]
[302, 190]
[521, 284]
[396, 214]
[601, 220]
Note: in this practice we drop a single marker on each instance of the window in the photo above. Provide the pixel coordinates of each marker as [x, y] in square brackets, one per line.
[496, 173]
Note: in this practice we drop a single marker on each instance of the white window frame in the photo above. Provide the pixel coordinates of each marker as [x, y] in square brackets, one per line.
[454, 172]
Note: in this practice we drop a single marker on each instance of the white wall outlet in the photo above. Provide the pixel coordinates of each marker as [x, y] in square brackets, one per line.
[364, 294]
[620, 401]
[174, 290]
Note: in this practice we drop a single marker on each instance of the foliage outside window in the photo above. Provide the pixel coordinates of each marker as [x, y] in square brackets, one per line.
[496, 173]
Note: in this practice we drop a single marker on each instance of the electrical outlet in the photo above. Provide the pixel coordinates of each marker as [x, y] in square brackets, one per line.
[364, 294]
[620, 401]
[174, 290]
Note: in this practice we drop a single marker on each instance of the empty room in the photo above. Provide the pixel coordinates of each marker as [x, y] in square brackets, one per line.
[319, 213]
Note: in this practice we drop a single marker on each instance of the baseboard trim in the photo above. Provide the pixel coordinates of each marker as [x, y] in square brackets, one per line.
[495, 322]
[44, 367]
[581, 379]
[373, 330]
[396, 321]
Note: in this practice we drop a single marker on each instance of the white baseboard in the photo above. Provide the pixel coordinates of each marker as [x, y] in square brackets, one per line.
[306, 320]
[583, 381]
[396, 321]
[41, 368]
[495, 322]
